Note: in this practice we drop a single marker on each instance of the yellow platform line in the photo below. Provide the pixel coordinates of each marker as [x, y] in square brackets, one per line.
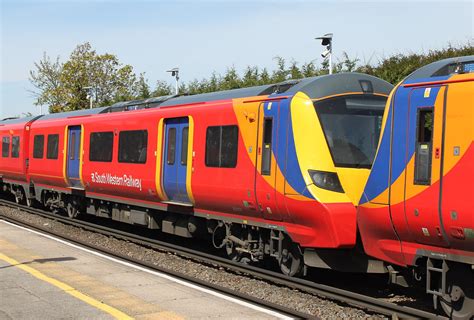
[67, 288]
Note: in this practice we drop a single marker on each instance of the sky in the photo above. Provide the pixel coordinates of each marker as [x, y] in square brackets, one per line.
[201, 37]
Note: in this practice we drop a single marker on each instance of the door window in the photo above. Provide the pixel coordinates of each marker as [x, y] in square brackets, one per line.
[171, 152]
[267, 146]
[424, 146]
[72, 146]
[184, 146]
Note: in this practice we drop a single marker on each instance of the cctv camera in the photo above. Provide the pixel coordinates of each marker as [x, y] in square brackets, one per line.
[325, 53]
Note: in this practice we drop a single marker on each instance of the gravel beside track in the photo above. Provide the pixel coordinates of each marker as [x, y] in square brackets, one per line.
[306, 303]
[298, 300]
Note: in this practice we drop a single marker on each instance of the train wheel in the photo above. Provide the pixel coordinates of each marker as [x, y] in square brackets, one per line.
[459, 302]
[29, 202]
[72, 211]
[291, 262]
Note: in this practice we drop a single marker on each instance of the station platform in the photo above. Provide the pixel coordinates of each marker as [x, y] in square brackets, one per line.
[45, 278]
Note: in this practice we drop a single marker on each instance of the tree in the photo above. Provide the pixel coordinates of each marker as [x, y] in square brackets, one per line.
[395, 68]
[65, 86]
[143, 89]
[162, 89]
[46, 79]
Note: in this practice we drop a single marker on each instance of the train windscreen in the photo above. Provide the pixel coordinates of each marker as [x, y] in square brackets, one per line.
[352, 125]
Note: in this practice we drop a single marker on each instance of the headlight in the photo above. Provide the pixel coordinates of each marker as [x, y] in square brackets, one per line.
[326, 180]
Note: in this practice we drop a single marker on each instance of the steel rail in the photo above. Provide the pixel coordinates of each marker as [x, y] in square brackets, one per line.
[359, 300]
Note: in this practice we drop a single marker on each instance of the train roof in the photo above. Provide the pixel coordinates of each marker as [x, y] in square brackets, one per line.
[329, 85]
[314, 87]
[77, 113]
[443, 67]
[18, 120]
[218, 95]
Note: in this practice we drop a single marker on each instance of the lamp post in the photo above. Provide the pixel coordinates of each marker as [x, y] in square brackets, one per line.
[175, 73]
[326, 40]
[89, 94]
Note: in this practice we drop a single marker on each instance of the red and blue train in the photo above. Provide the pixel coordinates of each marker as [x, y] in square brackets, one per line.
[275, 171]
[417, 209]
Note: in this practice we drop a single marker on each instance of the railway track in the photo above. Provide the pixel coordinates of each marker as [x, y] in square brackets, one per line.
[362, 301]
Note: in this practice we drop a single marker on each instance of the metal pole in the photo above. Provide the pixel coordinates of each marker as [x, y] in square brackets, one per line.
[330, 58]
[90, 97]
[175, 73]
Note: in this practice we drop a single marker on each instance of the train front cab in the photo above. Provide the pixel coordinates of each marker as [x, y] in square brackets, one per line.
[417, 207]
[332, 138]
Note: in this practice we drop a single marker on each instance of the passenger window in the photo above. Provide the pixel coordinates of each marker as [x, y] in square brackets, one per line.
[424, 146]
[72, 146]
[38, 146]
[101, 146]
[184, 146]
[5, 147]
[53, 146]
[16, 147]
[171, 152]
[213, 137]
[267, 146]
[133, 146]
[221, 146]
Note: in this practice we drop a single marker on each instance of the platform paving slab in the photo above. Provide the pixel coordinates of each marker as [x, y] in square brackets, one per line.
[134, 292]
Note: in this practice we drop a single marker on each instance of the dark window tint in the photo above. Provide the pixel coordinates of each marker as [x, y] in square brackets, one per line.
[133, 146]
[15, 147]
[53, 145]
[267, 146]
[221, 146]
[72, 146]
[464, 67]
[38, 147]
[352, 125]
[101, 146]
[171, 151]
[5, 146]
[229, 146]
[184, 146]
[424, 146]
[213, 141]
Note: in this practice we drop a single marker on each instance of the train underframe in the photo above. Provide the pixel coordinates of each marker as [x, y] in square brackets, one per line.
[450, 283]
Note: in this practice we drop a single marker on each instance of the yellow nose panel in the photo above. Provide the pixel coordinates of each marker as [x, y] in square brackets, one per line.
[353, 182]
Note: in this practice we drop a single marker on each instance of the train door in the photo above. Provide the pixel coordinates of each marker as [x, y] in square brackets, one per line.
[422, 182]
[266, 184]
[175, 159]
[74, 156]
